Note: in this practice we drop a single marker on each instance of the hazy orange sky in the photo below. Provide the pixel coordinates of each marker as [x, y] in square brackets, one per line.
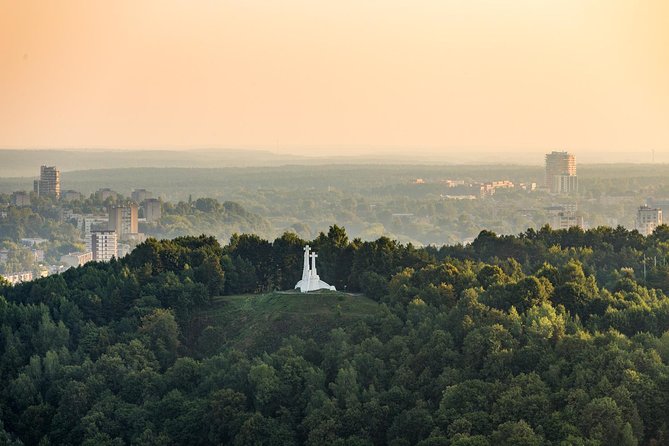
[340, 76]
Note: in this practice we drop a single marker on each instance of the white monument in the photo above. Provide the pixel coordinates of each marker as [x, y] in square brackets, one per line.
[310, 280]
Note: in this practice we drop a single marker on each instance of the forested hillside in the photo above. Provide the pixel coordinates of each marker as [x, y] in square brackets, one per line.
[545, 338]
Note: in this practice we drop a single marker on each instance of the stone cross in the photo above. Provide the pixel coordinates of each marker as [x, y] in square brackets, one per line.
[313, 256]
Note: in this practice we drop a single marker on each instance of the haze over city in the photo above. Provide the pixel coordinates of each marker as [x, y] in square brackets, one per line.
[343, 77]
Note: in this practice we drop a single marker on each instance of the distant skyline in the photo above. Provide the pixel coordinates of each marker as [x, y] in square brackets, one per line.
[433, 77]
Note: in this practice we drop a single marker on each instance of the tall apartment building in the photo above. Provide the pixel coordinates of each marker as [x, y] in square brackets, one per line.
[104, 245]
[49, 182]
[104, 193]
[647, 219]
[152, 209]
[561, 173]
[139, 195]
[564, 184]
[123, 219]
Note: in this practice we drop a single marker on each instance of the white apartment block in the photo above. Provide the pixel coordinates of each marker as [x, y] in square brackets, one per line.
[104, 245]
[647, 219]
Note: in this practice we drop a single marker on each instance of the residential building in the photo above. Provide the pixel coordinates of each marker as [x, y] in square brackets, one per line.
[90, 223]
[660, 203]
[647, 219]
[561, 173]
[104, 245]
[564, 217]
[15, 278]
[49, 182]
[75, 259]
[139, 195]
[152, 209]
[123, 219]
[564, 184]
[566, 220]
[492, 186]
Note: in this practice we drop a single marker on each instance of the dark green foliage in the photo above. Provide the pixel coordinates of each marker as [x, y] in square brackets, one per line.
[562, 346]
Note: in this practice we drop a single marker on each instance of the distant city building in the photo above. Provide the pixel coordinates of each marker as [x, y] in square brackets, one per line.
[453, 183]
[70, 195]
[103, 194]
[564, 217]
[457, 197]
[123, 219]
[104, 245]
[564, 184]
[48, 183]
[492, 186]
[152, 209]
[139, 195]
[566, 220]
[21, 198]
[15, 278]
[74, 259]
[561, 173]
[88, 223]
[528, 186]
[647, 219]
[660, 203]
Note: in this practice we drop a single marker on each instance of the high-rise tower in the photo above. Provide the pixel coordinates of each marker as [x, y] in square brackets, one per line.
[561, 173]
[49, 182]
[123, 220]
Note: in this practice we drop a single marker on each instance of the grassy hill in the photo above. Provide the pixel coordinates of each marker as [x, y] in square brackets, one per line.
[258, 322]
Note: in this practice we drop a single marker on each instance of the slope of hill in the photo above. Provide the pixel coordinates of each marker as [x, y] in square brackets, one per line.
[257, 323]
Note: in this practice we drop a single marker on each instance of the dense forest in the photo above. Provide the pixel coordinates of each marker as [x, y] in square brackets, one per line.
[543, 338]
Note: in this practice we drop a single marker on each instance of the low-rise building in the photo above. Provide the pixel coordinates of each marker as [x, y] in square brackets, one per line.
[15, 278]
[75, 259]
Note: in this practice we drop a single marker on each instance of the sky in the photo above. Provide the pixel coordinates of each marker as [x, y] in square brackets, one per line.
[336, 77]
